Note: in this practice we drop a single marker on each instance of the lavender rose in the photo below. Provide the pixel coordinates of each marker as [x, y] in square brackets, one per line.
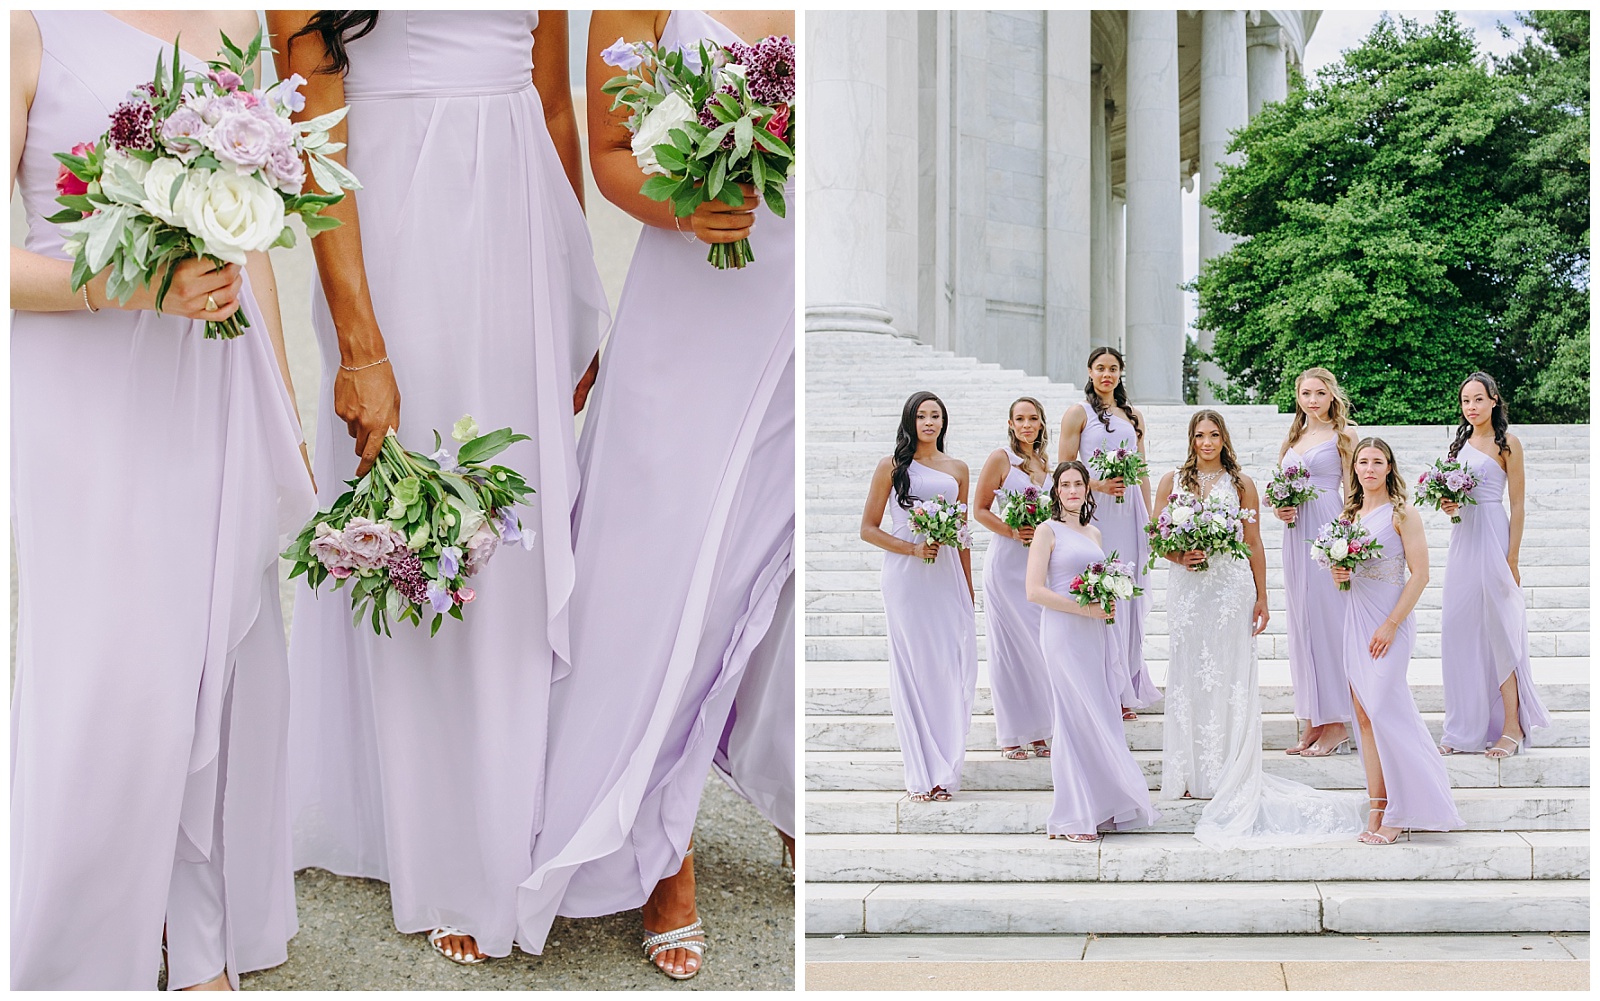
[244, 140]
[480, 549]
[329, 547]
[286, 170]
[185, 132]
[370, 543]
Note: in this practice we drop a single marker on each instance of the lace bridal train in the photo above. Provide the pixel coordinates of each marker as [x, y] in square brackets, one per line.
[1211, 744]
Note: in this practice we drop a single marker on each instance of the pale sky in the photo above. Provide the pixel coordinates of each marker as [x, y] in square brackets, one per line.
[1336, 31]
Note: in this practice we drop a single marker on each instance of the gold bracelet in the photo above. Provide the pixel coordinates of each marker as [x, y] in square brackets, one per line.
[86, 303]
[347, 368]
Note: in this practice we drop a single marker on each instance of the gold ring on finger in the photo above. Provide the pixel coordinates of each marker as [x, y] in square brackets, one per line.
[211, 304]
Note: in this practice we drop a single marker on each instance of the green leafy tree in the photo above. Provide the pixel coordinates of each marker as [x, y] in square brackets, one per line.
[1412, 216]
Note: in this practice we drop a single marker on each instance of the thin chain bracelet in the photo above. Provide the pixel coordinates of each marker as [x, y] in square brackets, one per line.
[688, 237]
[357, 368]
[86, 303]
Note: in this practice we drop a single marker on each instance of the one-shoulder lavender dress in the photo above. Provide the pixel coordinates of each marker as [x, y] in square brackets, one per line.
[150, 701]
[419, 761]
[1484, 635]
[933, 647]
[1413, 773]
[1098, 785]
[1122, 531]
[685, 550]
[1315, 614]
[1017, 679]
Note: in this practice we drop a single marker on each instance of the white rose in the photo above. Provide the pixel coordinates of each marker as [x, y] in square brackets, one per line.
[158, 189]
[1339, 549]
[1122, 587]
[670, 114]
[1182, 515]
[468, 526]
[233, 214]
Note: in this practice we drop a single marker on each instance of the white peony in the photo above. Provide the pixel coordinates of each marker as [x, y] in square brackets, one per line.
[1182, 515]
[670, 114]
[233, 214]
[158, 190]
[1339, 549]
[1122, 587]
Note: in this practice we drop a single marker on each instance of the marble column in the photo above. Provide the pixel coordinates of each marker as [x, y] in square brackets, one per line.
[1118, 332]
[846, 109]
[934, 288]
[901, 193]
[1224, 108]
[1099, 214]
[1268, 67]
[1154, 232]
[1067, 193]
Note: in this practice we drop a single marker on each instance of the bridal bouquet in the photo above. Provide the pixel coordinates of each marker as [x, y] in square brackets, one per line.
[1120, 461]
[196, 164]
[407, 535]
[1291, 486]
[941, 521]
[1447, 480]
[1025, 508]
[1105, 582]
[1215, 526]
[707, 119]
[1344, 543]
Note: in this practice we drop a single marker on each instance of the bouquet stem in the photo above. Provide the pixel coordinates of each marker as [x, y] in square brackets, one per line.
[1111, 620]
[1344, 585]
[1203, 565]
[1121, 499]
[1455, 519]
[227, 330]
[930, 560]
[731, 255]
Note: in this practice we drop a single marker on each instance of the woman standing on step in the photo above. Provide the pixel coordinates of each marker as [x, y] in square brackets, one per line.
[1489, 698]
[1320, 440]
[928, 607]
[1098, 785]
[1406, 781]
[1105, 419]
[1017, 680]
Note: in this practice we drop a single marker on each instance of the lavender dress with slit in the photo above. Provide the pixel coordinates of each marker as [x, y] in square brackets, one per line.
[150, 701]
[685, 550]
[1484, 635]
[419, 760]
[1017, 679]
[1413, 773]
[1315, 615]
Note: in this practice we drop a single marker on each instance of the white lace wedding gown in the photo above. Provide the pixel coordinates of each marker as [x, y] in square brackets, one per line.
[1211, 742]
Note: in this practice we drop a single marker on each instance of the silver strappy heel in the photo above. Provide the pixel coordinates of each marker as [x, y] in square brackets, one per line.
[678, 938]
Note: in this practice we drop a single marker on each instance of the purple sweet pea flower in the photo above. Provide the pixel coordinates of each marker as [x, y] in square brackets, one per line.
[450, 561]
[623, 55]
[438, 596]
[287, 93]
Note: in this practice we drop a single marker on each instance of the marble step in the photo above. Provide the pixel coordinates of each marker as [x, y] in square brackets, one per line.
[1271, 908]
[1569, 728]
[861, 688]
[1024, 811]
[1542, 767]
[1179, 858]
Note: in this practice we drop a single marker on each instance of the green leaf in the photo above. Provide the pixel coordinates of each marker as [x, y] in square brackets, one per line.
[719, 174]
[669, 157]
[316, 223]
[659, 187]
[775, 202]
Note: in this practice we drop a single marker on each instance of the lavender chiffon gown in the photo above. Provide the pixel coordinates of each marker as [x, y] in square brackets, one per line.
[1484, 635]
[933, 647]
[1017, 679]
[1122, 531]
[150, 699]
[1098, 785]
[416, 760]
[1315, 614]
[1413, 774]
[685, 552]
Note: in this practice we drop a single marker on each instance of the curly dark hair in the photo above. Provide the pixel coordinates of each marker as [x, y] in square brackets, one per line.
[338, 28]
[1497, 416]
[905, 445]
[1086, 512]
[1118, 395]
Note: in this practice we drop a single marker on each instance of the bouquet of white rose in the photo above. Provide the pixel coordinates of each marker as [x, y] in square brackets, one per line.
[1344, 543]
[1105, 582]
[196, 164]
[1025, 508]
[943, 522]
[1291, 486]
[1121, 461]
[1215, 526]
[1447, 480]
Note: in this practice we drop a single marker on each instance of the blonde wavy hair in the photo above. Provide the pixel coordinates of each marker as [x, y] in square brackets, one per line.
[1338, 414]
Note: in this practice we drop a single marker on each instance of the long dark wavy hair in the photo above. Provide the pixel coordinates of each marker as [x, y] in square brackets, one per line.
[1119, 395]
[1039, 443]
[905, 445]
[1497, 416]
[1189, 472]
[1084, 513]
[1393, 483]
[338, 28]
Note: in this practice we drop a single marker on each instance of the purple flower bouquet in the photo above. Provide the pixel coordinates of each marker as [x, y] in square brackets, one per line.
[1291, 486]
[1447, 480]
[941, 521]
[1105, 582]
[707, 119]
[1215, 526]
[407, 535]
[1025, 508]
[1344, 543]
[196, 164]
[1108, 464]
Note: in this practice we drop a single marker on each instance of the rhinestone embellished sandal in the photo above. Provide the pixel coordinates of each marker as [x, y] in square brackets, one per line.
[437, 937]
[691, 937]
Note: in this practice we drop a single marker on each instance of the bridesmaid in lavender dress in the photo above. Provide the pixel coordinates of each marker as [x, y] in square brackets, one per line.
[1320, 440]
[1017, 677]
[1406, 781]
[1106, 420]
[1098, 785]
[150, 701]
[467, 279]
[685, 534]
[1489, 698]
[933, 646]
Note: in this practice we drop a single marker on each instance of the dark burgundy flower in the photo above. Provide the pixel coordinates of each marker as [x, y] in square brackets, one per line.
[407, 576]
[132, 125]
[769, 67]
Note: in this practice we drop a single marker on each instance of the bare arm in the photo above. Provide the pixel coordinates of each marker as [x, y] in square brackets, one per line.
[1039, 592]
[1071, 434]
[1516, 487]
[553, 82]
[966, 554]
[872, 514]
[1144, 484]
[368, 399]
[1251, 501]
[990, 479]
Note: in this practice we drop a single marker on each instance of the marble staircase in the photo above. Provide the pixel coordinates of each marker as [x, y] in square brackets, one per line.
[878, 863]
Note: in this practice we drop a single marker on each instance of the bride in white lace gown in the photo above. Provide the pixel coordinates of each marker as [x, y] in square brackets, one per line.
[1211, 744]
